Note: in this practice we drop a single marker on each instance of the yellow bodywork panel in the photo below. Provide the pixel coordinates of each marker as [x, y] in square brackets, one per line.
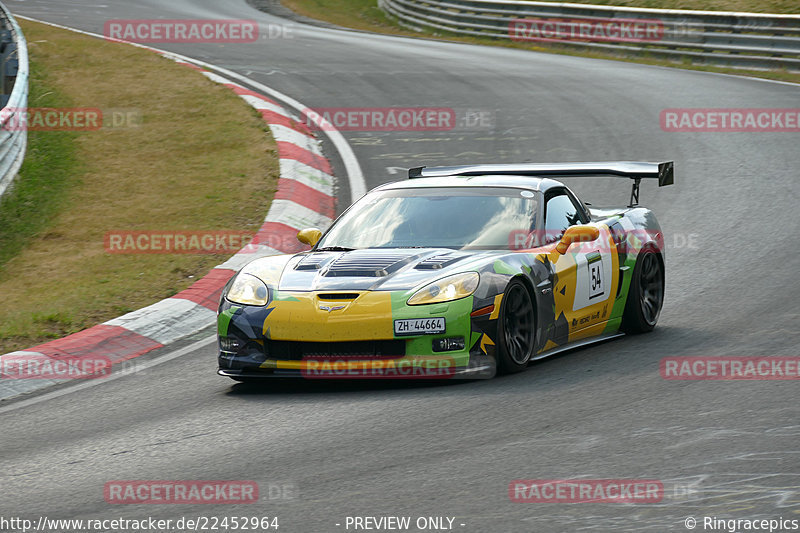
[442, 363]
[586, 314]
[304, 316]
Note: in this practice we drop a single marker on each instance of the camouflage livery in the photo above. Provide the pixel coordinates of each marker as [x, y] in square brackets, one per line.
[349, 307]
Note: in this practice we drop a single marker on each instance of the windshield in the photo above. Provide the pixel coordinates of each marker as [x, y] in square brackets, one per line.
[451, 217]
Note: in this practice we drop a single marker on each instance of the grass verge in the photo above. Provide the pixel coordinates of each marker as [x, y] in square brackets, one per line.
[367, 16]
[50, 168]
[199, 158]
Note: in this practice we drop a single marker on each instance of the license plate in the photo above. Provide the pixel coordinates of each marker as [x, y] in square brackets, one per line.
[419, 326]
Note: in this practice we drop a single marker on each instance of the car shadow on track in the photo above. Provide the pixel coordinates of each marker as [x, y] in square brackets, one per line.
[635, 355]
[288, 386]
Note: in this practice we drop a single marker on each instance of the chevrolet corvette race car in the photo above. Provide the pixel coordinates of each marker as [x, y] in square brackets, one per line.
[457, 271]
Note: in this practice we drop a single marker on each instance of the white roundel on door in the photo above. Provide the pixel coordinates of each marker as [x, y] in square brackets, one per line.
[592, 279]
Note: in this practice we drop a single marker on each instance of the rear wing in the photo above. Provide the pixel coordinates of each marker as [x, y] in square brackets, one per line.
[634, 170]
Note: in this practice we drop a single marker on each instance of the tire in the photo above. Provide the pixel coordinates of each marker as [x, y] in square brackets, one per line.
[516, 329]
[646, 294]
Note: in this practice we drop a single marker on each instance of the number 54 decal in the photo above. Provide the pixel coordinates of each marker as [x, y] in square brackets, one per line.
[593, 279]
[596, 275]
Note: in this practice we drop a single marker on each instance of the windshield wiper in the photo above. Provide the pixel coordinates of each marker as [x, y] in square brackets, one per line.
[334, 249]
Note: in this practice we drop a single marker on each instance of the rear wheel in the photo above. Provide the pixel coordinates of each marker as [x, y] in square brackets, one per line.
[516, 328]
[646, 294]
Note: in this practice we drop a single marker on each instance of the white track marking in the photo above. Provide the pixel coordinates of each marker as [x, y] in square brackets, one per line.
[254, 251]
[166, 321]
[263, 105]
[307, 175]
[296, 216]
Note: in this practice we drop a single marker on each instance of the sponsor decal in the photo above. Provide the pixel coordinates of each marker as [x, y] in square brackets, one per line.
[584, 320]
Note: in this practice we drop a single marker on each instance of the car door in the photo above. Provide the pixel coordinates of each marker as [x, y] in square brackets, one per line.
[584, 277]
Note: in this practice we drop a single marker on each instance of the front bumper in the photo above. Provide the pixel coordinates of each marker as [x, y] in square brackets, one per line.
[406, 368]
[293, 337]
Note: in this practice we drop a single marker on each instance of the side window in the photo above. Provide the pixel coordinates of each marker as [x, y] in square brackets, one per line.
[560, 213]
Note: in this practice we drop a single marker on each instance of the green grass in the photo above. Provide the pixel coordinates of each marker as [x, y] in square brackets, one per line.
[367, 16]
[198, 158]
[50, 168]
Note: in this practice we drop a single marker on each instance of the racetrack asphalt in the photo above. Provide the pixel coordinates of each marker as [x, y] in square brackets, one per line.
[721, 448]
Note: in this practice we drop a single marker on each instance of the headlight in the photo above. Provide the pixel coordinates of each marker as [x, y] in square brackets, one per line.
[446, 289]
[248, 290]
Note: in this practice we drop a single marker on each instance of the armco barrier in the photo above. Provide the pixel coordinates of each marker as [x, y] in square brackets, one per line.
[737, 40]
[14, 98]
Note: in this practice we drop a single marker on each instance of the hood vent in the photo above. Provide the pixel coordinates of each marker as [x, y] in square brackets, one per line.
[312, 262]
[368, 263]
[438, 262]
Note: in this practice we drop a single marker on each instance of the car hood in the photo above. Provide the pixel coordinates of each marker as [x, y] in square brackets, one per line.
[367, 269]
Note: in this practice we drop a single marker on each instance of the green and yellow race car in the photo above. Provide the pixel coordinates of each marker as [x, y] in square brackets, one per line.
[456, 272]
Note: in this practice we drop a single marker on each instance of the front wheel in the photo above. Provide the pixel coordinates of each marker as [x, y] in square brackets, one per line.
[516, 328]
[646, 295]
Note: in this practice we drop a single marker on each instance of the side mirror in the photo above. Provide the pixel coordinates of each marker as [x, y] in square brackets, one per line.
[576, 234]
[310, 236]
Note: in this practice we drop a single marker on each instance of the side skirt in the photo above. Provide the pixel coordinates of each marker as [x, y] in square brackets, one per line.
[578, 344]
